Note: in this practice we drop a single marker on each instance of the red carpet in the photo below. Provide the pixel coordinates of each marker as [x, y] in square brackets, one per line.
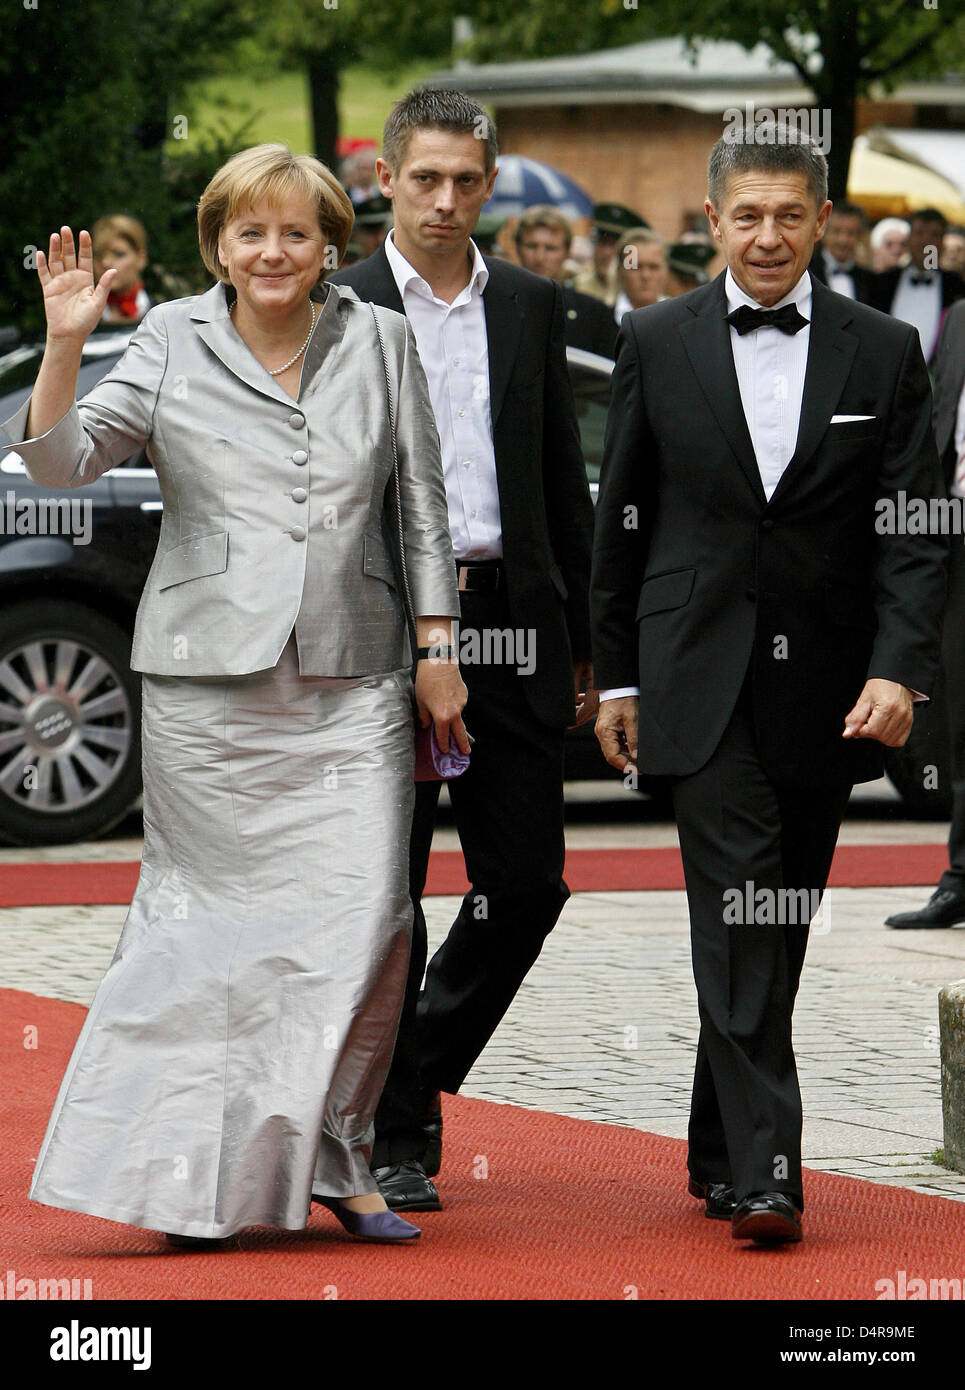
[587, 871]
[537, 1206]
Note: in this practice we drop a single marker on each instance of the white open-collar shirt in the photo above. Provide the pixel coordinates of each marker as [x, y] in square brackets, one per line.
[454, 351]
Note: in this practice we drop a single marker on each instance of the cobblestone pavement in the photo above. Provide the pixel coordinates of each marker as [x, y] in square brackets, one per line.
[605, 1026]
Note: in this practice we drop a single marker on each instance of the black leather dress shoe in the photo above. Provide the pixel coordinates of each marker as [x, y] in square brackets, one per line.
[943, 909]
[432, 1158]
[766, 1217]
[406, 1187]
[719, 1198]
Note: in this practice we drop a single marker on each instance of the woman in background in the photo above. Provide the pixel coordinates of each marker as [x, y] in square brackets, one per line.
[120, 244]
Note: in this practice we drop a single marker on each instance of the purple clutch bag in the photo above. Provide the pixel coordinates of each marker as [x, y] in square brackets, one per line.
[431, 763]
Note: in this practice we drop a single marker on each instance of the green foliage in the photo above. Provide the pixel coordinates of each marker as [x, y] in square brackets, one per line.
[385, 33]
[87, 101]
[884, 39]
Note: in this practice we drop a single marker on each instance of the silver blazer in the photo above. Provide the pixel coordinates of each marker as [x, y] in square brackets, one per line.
[275, 513]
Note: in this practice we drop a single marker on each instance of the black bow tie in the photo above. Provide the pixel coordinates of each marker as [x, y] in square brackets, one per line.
[840, 267]
[787, 319]
[924, 278]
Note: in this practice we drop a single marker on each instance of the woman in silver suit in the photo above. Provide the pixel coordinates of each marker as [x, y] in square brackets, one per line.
[229, 1068]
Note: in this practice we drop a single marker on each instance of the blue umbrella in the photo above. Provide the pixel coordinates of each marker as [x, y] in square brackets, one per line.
[523, 182]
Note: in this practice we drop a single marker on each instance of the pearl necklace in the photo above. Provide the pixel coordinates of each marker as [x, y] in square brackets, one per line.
[278, 370]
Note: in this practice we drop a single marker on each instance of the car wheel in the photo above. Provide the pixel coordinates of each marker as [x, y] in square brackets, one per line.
[920, 771]
[70, 723]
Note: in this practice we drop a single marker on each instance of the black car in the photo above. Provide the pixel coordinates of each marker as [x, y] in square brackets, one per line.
[70, 581]
[72, 566]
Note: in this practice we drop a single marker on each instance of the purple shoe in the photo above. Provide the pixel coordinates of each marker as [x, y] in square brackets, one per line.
[382, 1226]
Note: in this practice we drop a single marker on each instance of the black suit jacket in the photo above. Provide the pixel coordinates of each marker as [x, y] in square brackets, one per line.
[694, 570]
[864, 279]
[544, 498]
[949, 380]
[589, 323]
[885, 283]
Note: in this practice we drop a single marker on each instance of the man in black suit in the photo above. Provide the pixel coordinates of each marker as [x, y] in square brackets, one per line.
[490, 337]
[920, 293]
[543, 240]
[834, 261]
[946, 906]
[756, 636]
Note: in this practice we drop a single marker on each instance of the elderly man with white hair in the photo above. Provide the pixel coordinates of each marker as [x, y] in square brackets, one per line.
[889, 243]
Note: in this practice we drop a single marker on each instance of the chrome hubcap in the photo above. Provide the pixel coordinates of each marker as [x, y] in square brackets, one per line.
[65, 726]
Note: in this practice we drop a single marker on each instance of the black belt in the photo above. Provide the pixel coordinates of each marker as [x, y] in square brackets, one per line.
[479, 576]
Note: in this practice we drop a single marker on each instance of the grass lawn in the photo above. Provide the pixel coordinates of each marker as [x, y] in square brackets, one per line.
[279, 104]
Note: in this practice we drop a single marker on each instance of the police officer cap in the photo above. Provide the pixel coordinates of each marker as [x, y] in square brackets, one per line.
[616, 219]
[374, 212]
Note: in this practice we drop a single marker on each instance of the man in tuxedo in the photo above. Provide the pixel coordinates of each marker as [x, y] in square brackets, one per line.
[946, 906]
[756, 638]
[543, 239]
[834, 256]
[491, 339]
[919, 293]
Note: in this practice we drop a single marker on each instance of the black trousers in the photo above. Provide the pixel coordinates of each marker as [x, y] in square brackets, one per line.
[508, 809]
[745, 843]
[953, 673]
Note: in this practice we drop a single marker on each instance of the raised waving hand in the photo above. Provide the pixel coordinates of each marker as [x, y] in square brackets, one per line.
[72, 302]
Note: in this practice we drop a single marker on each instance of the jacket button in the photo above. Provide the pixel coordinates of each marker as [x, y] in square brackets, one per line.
[299, 494]
[299, 456]
[298, 533]
[297, 422]
[767, 524]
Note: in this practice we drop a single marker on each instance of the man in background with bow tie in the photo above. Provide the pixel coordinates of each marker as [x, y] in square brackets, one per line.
[756, 639]
[834, 256]
[919, 293]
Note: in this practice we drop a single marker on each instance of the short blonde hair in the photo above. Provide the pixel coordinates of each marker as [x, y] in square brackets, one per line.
[639, 236]
[636, 236]
[106, 229]
[273, 173]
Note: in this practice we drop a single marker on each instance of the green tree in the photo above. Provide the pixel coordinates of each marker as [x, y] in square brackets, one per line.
[89, 101]
[326, 36]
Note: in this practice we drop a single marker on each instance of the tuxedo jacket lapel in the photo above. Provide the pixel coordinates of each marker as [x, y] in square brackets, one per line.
[706, 339]
[831, 350]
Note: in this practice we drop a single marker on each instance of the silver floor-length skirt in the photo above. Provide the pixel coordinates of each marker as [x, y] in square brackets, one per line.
[236, 1048]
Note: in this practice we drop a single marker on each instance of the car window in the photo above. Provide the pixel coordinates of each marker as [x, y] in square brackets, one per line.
[18, 371]
[591, 391]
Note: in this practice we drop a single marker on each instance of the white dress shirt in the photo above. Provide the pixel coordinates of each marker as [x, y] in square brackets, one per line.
[920, 305]
[840, 277]
[770, 368]
[454, 351]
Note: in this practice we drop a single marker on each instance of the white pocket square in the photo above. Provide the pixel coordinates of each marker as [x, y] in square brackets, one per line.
[847, 419]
